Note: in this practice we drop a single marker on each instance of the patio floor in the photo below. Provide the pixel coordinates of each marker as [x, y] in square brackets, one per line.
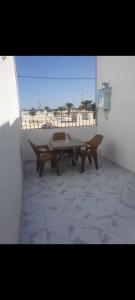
[97, 207]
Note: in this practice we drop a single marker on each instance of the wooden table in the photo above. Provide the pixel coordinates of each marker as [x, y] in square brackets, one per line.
[61, 145]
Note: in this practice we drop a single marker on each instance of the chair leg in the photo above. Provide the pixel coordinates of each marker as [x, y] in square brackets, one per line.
[73, 158]
[83, 158]
[41, 169]
[90, 161]
[54, 159]
[69, 154]
[52, 163]
[95, 160]
[77, 154]
[37, 167]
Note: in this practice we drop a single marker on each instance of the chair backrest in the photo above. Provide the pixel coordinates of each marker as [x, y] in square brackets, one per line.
[96, 141]
[59, 136]
[34, 147]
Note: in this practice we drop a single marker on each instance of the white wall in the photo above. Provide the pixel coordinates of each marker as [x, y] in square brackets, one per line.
[11, 174]
[43, 136]
[119, 129]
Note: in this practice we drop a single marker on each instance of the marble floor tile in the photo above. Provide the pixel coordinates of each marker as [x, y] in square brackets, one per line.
[39, 237]
[101, 222]
[83, 234]
[125, 210]
[109, 238]
[54, 202]
[35, 237]
[64, 226]
[123, 226]
[128, 195]
[32, 223]
[55, 238]
[130, 242]
[95, 212]
[51, 215]
[97, 206]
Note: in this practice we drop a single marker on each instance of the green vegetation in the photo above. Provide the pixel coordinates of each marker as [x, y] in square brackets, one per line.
[32, 111]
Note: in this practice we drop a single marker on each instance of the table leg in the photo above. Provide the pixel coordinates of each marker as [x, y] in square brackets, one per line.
[83, 158]
[58, 162]
[74, 157]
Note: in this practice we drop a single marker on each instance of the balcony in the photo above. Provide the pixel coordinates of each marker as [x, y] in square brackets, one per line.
[96, 207]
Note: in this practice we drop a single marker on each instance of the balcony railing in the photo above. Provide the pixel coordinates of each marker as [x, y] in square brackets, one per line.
[58, 120]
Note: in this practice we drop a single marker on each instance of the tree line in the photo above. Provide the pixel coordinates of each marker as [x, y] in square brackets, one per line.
[87, 105]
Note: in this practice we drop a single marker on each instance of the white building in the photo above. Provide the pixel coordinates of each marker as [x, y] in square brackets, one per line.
[11, 164]
[24, 112]
[41, 113]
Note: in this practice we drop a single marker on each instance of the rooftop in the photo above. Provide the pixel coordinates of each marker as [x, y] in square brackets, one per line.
[96, 207]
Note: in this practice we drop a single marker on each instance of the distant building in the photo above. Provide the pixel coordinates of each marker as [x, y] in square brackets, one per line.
[39, 112]
[24, 112]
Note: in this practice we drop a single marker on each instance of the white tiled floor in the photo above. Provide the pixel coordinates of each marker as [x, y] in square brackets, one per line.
[97, 207]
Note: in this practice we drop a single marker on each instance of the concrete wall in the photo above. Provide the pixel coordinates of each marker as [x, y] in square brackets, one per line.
[118, 126]
[11, 174]
[43, 136]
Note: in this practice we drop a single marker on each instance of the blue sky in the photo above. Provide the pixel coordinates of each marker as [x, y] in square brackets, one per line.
[55, 92]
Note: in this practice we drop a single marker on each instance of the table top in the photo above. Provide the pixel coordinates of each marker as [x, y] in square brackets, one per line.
[63, 144]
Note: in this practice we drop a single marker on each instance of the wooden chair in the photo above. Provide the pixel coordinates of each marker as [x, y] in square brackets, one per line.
[91, 151]
[62, 136]
[43, 154]
[59, 136]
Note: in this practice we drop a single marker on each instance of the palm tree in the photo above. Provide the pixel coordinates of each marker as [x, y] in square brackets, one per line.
[93, 108]
[32, 111]
[86, 105]
[61, 109]
[47, 108]
[69, 106]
